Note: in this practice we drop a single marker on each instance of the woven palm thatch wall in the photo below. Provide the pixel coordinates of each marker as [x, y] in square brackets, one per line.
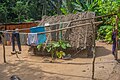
[79, 37]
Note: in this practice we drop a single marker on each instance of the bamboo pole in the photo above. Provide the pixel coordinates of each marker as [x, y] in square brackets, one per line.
[116, 38]
[57, 30]
[80, 25]
[4, 57]
[93, 64]
[94, 56]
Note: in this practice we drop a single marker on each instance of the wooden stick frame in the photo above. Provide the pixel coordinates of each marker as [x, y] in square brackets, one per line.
[93, 51]
[116, 51]
[81, 25]
[3, 43]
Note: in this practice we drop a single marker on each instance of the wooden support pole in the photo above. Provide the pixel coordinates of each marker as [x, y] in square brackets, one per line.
[116, 37]
[4, 57]
[93, 50]
[93, 64]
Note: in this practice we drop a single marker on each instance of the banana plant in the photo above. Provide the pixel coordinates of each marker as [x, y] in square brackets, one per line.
[85, 5]
[73, 6]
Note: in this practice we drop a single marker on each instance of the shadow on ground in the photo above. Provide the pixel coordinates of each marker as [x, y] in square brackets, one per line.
[102, 51]
[26, 72]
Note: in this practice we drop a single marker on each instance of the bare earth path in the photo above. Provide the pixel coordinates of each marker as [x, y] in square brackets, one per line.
[35, 68]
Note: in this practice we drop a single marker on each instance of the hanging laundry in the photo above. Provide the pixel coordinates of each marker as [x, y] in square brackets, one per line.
[41, 37]
[15, 35]
[32, 39]
[23, 38]
[7, 36]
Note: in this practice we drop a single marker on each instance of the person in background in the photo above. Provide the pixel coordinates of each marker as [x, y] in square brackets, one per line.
[114, 35]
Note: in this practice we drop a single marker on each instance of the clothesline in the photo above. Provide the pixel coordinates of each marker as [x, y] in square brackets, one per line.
[57, 30]
[12, 32]
[55, 23]
[66, 22]
[39, 25]
[81, 25]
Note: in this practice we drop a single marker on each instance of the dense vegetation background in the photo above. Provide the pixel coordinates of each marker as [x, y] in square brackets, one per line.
[30, 10]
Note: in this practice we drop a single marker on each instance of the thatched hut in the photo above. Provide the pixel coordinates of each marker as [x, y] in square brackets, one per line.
[80, 37]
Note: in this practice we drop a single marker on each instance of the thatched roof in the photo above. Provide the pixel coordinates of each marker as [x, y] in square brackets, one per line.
[64, 18]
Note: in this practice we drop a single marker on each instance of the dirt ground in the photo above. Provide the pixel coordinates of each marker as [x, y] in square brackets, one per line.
[29, 67]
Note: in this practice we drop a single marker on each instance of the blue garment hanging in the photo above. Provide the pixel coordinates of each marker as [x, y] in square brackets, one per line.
[41, 37]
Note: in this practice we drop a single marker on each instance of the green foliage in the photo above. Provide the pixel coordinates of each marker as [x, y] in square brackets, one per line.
[64, 44]
[108, 37]
[20, 9]
[54, 47]
[25, 10]
[82, 5]
[67, 7]
[73, 6]
[105, 32]
[39, 46]
[60, 54]
[106, 7]
[3, 12]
